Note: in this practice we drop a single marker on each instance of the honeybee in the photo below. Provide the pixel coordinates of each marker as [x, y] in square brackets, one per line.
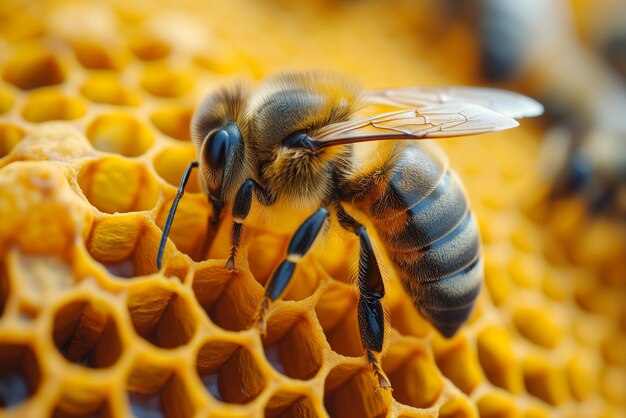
[290, 143]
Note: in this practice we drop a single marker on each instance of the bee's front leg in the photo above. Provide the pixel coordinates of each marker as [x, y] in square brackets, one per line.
[241, 209]
[371, 290]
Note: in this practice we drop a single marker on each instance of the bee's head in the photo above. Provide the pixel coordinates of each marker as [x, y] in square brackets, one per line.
[218, 127]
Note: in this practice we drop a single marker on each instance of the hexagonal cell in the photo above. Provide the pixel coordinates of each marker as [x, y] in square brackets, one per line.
[173, 121]
[286, 404]
[127, 245]
[85, 333]
[162, 81]
[538, 325]
[95, 55]
[458, 361]
[161, 316]
[171, 164]
[108, 88]
[79, 399]
[497, 405]
[545, 381]
[336, 311]
[459, 407]
[155, 392]
[497, 359]
[148, 48]
[292, 345]
[10, 135]
[120, 133]
[46, 105]
[21, 26]
[231, 300]
[113, 184]
[19, 373]
[229, 372]
[350, 392]
[413, 374]
[6, 100]
[31, 67]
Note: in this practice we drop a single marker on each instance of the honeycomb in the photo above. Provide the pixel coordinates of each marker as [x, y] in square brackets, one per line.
[95, 103]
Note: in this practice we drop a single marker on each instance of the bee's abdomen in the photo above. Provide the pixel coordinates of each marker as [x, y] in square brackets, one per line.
[431, 237]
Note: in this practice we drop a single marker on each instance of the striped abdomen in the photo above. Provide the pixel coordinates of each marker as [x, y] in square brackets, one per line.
[423, 218]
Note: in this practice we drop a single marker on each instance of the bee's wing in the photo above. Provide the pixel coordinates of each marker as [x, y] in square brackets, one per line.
[511, 104]
[451, 119]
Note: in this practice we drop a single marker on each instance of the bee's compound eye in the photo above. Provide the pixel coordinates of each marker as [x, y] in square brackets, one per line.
[216, 148]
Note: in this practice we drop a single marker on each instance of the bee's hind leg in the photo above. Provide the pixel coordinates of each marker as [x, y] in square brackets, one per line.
[299, 245]
[371, 290]
[241, 209]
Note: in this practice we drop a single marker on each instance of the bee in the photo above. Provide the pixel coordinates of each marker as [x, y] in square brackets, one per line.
[290, 143]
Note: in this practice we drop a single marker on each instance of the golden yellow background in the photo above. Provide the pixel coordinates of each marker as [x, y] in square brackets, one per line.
[95, 102]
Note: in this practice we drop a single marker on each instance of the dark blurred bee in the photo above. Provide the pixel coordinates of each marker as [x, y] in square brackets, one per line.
[290, 143]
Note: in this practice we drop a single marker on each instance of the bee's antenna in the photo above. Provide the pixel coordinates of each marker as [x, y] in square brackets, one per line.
[170, 216]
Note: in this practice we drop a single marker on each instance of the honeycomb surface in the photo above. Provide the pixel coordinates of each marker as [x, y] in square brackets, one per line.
[95, 103]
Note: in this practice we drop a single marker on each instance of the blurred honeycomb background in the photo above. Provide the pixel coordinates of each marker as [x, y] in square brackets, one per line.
[95, 102]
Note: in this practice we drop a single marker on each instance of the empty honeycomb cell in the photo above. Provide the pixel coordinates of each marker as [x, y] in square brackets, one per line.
[173, 121]
[545, 381]
[108, 89]
[526, 270]
[336, 312]
[614, 349]
[32, 66]
[413, 374]
[120, 133]
[159, 393]
[161, 316]
[538, 325]
[148, 48]
[127, 245]
[497, 405]
[20, 375]
[85, 333]
[101, 410]
[190, 226]
[350, 392]
[114, 184]
[407, 320]
[458, 362]
[97, 55]
[10, 135]
[166, 82]
[220, 293]
[582, 376]
[498, 281]
[286, 404]
[557, 285]
[21, 26]
[6, 100]
[230, 372]
[292, 331]
[49, 104]
[497, 359]
[458, 407]
[171, 164]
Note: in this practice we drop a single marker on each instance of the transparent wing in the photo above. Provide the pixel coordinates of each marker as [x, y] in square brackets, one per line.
[451, 119]
[511, 104]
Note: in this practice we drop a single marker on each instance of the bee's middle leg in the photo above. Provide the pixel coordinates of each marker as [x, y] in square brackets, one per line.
[371, 290]
[300, 244]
